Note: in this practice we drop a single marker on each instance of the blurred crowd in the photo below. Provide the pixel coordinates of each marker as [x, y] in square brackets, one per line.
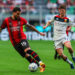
[53, 6]
[8, 5]
[29, 5]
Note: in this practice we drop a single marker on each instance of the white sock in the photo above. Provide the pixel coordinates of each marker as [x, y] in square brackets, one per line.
[68, 61]
[40, 62]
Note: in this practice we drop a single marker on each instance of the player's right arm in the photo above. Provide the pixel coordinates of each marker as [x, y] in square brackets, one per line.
[48, 23]
[3, 26]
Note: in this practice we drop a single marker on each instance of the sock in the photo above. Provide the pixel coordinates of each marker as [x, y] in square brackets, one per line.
[40, 62]
[31, 60]
[68, 61]
[34, 55]
[72, 54]
[56, 53]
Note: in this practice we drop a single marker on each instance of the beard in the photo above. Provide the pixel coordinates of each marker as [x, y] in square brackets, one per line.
[17, 17]
[63, 15]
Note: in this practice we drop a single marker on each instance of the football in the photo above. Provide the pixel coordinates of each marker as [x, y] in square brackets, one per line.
[33, 67]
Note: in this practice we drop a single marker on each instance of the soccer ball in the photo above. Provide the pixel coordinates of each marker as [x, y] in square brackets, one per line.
[33, 67]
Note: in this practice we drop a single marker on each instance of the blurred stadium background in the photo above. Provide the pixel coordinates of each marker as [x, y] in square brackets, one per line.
[37, 12]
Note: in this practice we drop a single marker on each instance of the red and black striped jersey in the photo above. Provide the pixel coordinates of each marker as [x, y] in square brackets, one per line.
[15, 29]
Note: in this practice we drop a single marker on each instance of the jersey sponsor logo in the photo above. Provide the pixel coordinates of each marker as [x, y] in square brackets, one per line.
[59, 30]
[15, 28]
[60, 23]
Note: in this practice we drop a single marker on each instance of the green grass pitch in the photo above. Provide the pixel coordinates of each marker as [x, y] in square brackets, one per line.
[11, 63]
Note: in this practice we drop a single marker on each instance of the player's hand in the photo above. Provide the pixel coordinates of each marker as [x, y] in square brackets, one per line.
[43, 34]
[44, 27]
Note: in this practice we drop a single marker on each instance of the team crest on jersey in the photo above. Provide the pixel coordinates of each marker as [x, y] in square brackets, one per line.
[65, 20]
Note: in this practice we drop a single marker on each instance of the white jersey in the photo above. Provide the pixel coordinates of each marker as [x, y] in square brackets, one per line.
[60, 26]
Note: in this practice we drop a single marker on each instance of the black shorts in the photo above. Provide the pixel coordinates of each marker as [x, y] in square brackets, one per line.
[20, 47]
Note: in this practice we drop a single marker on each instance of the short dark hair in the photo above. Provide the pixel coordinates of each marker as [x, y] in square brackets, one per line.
[62, 7]
[16, 9]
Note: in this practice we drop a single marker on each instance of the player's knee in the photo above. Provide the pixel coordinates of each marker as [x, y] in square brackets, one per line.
[69, 48]
[63, 56]
[27, 49]
[27, 55]
[60, 54]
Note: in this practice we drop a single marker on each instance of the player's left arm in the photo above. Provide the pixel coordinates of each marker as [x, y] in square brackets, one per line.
[33, 28]
[71, 23]
[68, 28]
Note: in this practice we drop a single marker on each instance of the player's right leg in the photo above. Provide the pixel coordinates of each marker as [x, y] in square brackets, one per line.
[59, 49]
[56, 54]
[60, 52]
[71, 51]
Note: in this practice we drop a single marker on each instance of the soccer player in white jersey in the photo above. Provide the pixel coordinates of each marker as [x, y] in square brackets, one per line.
[56, 56]
[60, 38]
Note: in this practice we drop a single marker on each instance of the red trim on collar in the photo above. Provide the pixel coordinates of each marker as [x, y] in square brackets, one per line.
[60, 17]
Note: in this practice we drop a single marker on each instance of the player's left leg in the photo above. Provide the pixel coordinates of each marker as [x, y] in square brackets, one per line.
[30, 59]
[60, 52]
[36, 57]
[56, 54]
[28, 50]
[71, 51]
[59, 49]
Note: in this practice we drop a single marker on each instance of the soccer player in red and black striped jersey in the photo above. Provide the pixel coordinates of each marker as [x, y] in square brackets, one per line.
[14, 26]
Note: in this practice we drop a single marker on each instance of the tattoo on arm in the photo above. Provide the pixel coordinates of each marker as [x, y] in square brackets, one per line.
[32, 28]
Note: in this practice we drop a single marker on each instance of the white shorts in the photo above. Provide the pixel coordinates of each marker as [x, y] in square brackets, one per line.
[59, 43]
